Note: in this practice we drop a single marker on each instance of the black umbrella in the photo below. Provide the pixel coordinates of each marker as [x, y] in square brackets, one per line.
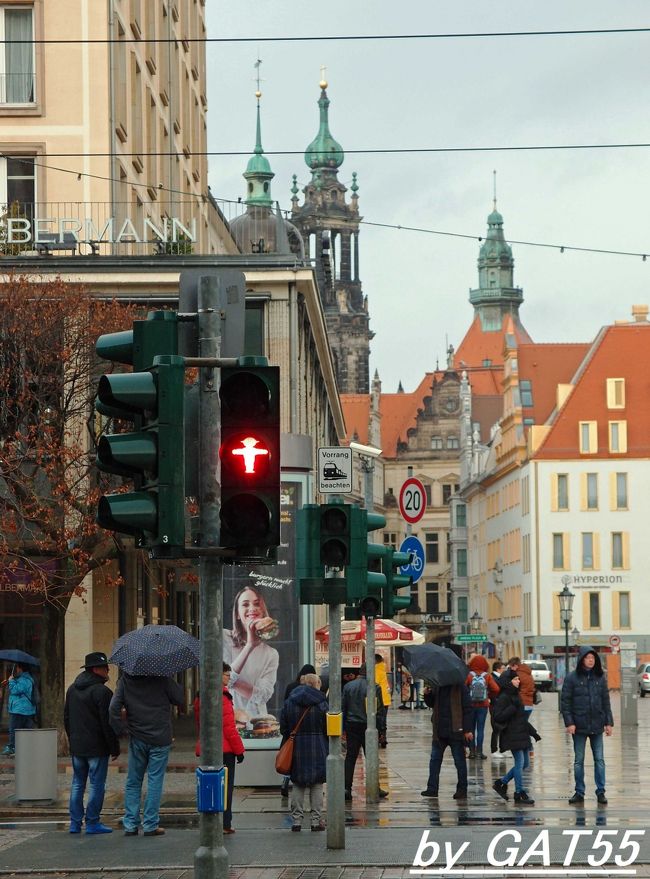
[19, 656]
[159, 651]
[438, 665]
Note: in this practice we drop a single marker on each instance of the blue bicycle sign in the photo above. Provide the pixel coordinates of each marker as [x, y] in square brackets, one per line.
[415, 569]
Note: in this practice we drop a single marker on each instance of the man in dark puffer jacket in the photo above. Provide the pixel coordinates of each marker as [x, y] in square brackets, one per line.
[587, 714]
[91, 742]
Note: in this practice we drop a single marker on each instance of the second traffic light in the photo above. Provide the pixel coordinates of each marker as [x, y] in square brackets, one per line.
[250, 459]
[391, 600]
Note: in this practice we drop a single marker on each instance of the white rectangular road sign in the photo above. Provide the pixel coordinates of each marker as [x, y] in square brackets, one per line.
[335, 470]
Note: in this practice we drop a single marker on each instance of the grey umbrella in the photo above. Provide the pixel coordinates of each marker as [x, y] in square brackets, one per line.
[158, 651]
[18, 656]
[438, 665]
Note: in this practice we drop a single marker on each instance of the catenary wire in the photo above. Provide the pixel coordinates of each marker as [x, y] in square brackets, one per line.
[365, 152]
[396, 226]
[351, 37]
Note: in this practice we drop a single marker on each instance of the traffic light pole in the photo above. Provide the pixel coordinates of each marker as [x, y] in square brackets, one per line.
[211, 857]
[335, 767]
[372, 739]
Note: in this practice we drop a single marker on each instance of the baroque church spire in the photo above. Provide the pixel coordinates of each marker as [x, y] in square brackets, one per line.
[258, 173]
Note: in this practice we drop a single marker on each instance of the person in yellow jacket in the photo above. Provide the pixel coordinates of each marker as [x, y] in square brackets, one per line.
[381, 679]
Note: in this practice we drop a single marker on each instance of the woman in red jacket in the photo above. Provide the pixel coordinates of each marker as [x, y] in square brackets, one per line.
[233, 747]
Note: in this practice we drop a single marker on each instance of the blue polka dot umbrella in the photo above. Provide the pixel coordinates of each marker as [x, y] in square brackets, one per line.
[159, 651]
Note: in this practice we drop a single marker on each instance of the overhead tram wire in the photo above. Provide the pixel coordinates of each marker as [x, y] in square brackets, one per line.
[364, 152]
[588, 32]
[193, 196]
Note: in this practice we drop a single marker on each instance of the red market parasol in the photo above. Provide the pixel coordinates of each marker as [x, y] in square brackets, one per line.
[387, 633]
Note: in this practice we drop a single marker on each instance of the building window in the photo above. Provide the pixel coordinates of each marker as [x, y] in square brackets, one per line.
[431, 548]
[433, 603]
[620, 550]
[616, 393]
[427, 493]
[559, 555]
[525, 552]
[624, 616]
[415, 598]
[453, 442]
[587, 551]
[436, 442]
[621, 491]
[254, 330]
[447, 491]
[390, 539]
[461, 562]
[588, 437]
[526, 393]
[16, 56]
[462, 608]
[562, 491]
[592, 491]
[618, 436]
[528, 422]
[18, 185]
[594, 610]
[461, 516]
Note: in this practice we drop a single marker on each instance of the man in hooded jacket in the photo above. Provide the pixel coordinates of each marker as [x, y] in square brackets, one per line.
[92, 741]
[587, 714]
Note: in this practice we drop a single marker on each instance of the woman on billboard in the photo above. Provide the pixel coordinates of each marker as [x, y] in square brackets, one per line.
[254, 662]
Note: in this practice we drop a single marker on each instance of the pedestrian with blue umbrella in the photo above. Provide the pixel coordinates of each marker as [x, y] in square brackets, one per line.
[22, 699]
[141, 707]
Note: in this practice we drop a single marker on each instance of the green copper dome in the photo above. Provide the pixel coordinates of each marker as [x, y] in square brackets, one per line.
[495, 219]
[324, 151]
[258, 173]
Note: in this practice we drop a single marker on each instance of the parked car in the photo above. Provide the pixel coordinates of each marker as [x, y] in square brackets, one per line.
[541, 673]
[643, 678]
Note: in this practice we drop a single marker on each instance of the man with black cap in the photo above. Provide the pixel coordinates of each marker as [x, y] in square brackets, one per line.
[92, 741]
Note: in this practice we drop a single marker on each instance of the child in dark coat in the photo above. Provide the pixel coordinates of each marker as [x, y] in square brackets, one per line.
[510, 714]
[308, 769]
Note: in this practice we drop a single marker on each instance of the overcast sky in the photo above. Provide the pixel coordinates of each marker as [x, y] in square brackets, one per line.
[514, 91]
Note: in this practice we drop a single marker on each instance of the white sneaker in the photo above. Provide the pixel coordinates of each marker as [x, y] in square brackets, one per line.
[499, 755]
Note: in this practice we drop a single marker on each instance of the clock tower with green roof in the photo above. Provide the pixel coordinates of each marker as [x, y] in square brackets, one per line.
[330, 228]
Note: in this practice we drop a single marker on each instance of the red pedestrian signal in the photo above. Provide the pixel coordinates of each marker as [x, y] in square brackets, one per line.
[250, 459]
[249, 452]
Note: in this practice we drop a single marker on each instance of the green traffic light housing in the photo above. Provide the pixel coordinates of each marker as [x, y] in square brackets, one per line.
[152, 455]
[391, 600]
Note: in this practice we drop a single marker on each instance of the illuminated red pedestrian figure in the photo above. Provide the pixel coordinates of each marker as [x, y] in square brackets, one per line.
[250, 453]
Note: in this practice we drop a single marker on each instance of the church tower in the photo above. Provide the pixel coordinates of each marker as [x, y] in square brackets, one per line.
[330, 229]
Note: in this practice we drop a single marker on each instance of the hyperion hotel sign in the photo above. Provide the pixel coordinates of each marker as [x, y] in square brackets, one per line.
[40, 230]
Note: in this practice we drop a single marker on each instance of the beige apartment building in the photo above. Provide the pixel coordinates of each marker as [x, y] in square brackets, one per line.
[103, 141]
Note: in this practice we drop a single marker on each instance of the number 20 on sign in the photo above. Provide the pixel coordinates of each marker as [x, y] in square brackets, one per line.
[412, 500]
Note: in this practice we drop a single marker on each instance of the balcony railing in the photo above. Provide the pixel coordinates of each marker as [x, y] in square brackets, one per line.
[17, 88]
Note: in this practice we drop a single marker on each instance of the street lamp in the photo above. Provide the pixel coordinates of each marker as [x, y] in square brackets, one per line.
[566, 607]
[476, 621]
[575, 634]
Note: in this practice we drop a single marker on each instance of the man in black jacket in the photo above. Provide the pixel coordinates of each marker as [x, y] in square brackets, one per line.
[92, 741]
[452, 722]
[355, 723]
[587, 714]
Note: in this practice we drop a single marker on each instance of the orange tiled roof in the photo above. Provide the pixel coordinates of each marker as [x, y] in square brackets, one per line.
[620, 351]
[479, 346]
[356, 412]
[546, 366]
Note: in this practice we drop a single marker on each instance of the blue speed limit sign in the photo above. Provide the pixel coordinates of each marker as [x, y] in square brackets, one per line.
[413, 546]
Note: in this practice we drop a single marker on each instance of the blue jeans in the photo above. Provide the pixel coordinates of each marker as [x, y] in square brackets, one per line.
[516, 771]
[19, 721]
[84, 769]
[151, 759]
[438, 752]
[478, 724]
[579, 745]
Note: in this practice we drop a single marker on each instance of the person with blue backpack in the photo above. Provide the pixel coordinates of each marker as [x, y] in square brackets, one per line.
[482, 687]
[22, 704]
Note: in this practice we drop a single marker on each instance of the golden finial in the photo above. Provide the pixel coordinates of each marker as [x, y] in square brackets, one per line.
[323, 81]
[257, 65]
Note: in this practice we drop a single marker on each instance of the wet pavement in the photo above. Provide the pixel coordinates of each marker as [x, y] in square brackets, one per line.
[382, 841]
